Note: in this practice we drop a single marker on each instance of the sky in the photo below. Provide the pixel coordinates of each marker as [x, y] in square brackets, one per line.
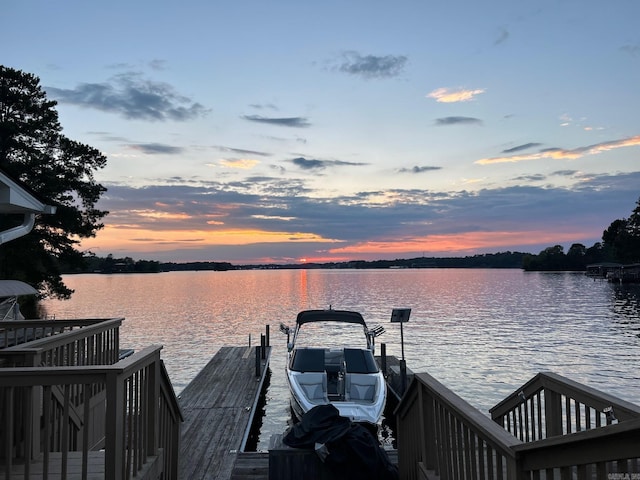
[291, 131]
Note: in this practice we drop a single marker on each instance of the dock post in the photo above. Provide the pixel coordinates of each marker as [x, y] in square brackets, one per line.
[258, 361]
[268, 343]
[403, 375]
[263, 346]
[383, 358]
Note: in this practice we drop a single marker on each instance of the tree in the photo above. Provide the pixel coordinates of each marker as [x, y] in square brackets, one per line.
[59, 170]
[623, 237]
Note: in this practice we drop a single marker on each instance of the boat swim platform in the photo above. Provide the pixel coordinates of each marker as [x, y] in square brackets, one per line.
[218, 407]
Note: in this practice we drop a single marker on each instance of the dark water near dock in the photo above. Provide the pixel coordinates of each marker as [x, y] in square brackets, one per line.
[482, 333]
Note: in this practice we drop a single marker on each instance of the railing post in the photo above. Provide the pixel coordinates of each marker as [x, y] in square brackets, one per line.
[552, 413]
[153, 393]
[114, 428]
[383, 358]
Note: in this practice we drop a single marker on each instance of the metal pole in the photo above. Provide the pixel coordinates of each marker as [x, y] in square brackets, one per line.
[402, 339]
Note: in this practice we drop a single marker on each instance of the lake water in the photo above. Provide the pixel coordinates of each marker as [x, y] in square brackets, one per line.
[482, 333]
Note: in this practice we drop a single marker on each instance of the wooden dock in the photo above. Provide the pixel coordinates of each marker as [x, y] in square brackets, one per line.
[218, 407]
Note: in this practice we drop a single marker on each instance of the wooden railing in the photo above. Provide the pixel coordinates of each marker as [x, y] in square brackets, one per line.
[22, 331]
[550, 428]
[550, 404]
[561, 422]
[440, 435]
[137, 411]
[72, 343]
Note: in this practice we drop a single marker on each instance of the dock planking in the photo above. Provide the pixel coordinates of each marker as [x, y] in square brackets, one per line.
[217, 407]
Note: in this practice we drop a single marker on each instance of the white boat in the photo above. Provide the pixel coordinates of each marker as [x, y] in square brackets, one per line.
[332, 365]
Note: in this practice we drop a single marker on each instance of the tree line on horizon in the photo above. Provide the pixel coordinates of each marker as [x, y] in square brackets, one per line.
[620, 244]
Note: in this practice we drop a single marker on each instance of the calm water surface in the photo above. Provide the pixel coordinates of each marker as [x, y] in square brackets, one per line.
[483, 333]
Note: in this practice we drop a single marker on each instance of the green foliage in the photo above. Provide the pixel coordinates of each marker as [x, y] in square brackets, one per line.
[60, 171]
[622, 237]
[621, 244]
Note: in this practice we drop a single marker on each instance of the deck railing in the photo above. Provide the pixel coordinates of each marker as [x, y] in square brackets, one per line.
[550, 428]
[72, 343]
[550, 404]
[15, 332]
[440, 435]
[137, 411]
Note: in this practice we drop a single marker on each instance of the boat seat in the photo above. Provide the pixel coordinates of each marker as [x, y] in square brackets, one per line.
[360, 387]
[314, 386]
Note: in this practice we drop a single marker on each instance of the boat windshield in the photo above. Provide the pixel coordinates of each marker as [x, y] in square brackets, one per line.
[331, 335]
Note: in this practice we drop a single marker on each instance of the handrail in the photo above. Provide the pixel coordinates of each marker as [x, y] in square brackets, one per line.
[38, 329]
[94, 343]
[441, 432]
[588, 449]
[139, 418]
[550, 404]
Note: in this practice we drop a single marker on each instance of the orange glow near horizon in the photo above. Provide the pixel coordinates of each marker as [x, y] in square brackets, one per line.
[132, 239]
[461, 242]
[127, 237]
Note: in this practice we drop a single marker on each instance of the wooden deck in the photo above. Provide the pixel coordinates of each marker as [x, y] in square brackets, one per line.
[218, 406]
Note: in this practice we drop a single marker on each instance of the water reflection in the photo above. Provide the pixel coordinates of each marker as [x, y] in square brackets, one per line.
[626, 306]
[482, 333]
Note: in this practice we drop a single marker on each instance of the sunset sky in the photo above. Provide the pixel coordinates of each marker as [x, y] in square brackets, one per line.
[277, 131]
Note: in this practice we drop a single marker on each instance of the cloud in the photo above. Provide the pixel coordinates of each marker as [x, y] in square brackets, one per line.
[156, 148]
[241, 151]
[313, 164]
[372, 66]
[502, 37]
[132, 97]
[537, 177]
[448, 95]
[458, 121]
[242, 164]
[519, 148]
[633, 50]
[267, 210]
[564, 154]
[297, 122]
[418, 169]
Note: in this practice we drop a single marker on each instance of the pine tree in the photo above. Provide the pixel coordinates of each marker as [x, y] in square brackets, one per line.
[59, 170]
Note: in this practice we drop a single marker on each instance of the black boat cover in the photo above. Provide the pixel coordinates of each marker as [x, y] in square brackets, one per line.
[353, 452]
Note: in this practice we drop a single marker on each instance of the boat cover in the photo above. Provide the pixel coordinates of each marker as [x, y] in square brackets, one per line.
[353, 452]
[344, 316]
[15, 288]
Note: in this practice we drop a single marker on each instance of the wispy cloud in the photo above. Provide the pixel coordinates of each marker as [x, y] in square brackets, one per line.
[449, 95]
[133, 97]
[156, 148]
[297, 122]
[458, 121]
[564, 154]
[241, 163]
[314, 164]
[372, 66]
[418, 169]
[502, 36]
[633, 50]
[241, 151]
[525, 146]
